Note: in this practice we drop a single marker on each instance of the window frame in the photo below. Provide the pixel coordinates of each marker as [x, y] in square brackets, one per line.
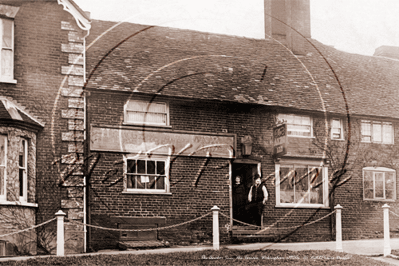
[3, 197]
[24, 168]
[383, 170]
[125, 113]
[281, 118]
[341, 127]
[7, 79]
[318, 164]
[372, 123]
[164, 159]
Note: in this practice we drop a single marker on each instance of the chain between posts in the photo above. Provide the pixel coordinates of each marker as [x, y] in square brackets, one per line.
[394, 213]
[291, 227]
[140, 230]
[27, 229]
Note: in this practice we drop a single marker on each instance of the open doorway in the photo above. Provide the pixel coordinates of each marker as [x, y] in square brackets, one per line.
[243, 175]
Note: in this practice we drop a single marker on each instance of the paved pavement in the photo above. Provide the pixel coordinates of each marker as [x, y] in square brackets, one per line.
[373, 248]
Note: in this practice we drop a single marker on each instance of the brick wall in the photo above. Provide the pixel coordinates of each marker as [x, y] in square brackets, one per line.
[361, 219]
[47, 40]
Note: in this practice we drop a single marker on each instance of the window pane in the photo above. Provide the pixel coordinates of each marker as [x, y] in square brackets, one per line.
[151, 167]
[131, 166]
[377, 133]
[140, 106]
[22, 153]
[387, 133]
[157, 108]
[305, 120]
[151, 183]
[2, 172]
[389, 180]
[368, 180]
[301, 186]
[160, 182]
[140, 183]
[21, 182]
[366, 131]
[316, 192]
[6, 63]
[286, 188]
[389, 194]
[160, 168]
[130, 181]
[135, 117]
[7, 33]
[141, 166]
[379, 185]
[369, 193]
[3, 140]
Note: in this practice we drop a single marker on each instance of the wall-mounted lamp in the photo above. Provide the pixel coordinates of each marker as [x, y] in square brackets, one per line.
[246, 145]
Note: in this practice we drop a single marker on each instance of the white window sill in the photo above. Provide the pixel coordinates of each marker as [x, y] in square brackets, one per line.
[383, 143]
[146, 191]
[383, 200]
[145, 125]
[301, 206]
[338, 139]
[10, 81]
[301, 137]
[18, 203]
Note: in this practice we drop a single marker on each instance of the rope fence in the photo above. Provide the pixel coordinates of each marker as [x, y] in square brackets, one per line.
[140, 230]
[215, 211]
[270, 227]
[394, 213]
[27, 229]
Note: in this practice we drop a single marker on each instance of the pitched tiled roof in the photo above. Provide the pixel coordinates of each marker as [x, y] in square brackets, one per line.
[184, 63]
[10, 112]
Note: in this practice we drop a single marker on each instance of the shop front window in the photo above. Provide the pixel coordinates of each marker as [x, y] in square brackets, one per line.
[301, 184]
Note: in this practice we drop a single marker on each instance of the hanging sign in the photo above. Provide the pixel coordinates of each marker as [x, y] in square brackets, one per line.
[280, 140]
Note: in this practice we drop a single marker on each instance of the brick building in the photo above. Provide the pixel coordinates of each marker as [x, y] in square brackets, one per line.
[171, 117]
[159, 95]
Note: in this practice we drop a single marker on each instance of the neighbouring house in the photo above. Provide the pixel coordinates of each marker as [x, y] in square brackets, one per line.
[132, 126]
[40, 40]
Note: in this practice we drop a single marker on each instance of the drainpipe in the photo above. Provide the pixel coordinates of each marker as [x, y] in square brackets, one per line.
[86, 151]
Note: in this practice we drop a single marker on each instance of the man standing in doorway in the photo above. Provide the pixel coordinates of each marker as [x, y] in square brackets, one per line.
[257, 196]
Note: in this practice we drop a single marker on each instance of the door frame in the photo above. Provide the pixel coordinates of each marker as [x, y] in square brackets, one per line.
[239, 161]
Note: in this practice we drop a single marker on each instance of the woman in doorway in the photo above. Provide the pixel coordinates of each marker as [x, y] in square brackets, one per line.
[239, 199]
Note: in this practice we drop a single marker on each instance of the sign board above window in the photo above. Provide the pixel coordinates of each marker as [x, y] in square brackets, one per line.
[161, 142]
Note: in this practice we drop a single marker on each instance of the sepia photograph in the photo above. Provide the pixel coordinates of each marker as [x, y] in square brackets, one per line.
[183, 132]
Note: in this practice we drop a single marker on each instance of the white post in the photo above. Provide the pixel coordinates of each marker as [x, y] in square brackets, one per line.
[338, 227]
[215, 211]
[60, 232]
[387, 243]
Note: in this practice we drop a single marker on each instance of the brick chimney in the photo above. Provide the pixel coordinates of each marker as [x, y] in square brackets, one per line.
[283, 17]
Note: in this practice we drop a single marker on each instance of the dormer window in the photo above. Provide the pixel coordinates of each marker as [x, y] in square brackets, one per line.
[141, 112]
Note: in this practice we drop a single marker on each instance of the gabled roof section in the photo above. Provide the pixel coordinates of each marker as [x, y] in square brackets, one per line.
[10, 113]
[81, 17]
[189, 64]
